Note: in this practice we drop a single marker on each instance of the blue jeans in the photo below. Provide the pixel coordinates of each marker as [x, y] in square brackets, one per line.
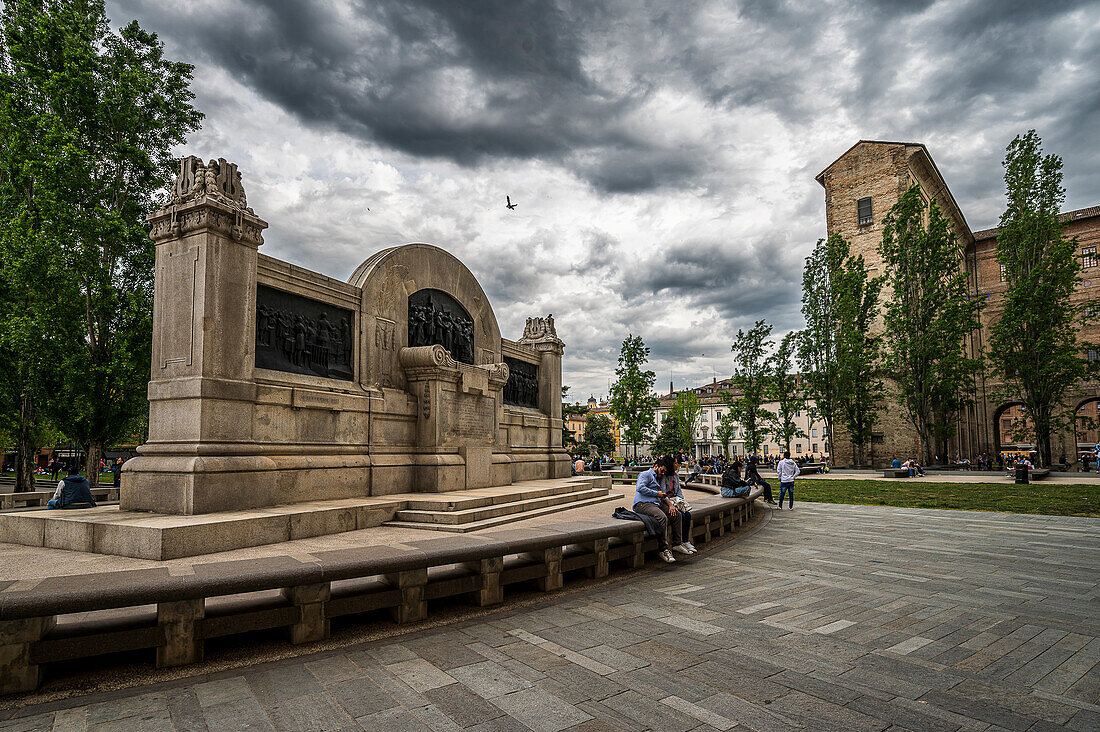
[785, 488]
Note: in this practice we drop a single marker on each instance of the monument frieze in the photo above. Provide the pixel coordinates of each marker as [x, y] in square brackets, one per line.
[522, 389]
[303, 336]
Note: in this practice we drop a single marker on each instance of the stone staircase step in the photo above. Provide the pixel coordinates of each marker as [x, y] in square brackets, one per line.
[500, 520]
[462, 500]
[494, 510]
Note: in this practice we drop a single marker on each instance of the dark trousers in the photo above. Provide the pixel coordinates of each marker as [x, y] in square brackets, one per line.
[667, 526]
[685, 525]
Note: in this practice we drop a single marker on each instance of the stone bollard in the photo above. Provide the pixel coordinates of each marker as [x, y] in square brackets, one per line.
[412, 584]
[551, 558]
[17, 673]
[600, 568]
[491, 592]
[637, 559]
[310, 600]
[177, 622]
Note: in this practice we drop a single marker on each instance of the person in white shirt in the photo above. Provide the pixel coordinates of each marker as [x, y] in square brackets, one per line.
[787, 470]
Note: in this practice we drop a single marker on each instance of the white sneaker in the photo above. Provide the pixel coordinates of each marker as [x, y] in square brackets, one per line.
[681, 549]
[666, 555]
[691, 547]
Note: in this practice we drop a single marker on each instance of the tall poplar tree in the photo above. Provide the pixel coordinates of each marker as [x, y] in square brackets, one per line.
[818, 343]
[632, 400]
[1034, 343]
[928, 316]
[859, 386]
[751, 377]
[88, 116]
[688, 411]
[783, 388]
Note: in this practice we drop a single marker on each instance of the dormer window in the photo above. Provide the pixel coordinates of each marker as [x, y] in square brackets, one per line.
[863, 211]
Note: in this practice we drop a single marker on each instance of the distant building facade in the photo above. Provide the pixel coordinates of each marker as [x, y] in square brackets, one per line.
[706, 440]
[861, 186]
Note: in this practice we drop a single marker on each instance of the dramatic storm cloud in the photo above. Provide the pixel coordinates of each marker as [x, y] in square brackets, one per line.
[662, 155]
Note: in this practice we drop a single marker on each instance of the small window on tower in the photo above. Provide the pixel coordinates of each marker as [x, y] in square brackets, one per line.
[1088, 257]
[863, 210]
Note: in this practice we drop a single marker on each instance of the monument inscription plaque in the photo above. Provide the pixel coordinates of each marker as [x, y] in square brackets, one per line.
[302, 336]
[467, 417]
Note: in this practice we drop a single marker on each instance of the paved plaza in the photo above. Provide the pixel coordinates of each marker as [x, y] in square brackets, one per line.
[827, 617]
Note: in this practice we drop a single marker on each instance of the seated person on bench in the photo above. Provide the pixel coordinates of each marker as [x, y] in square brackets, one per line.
[73, 491]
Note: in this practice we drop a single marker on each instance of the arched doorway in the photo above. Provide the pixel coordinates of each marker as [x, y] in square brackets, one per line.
[1011, 429]
[1086, 426]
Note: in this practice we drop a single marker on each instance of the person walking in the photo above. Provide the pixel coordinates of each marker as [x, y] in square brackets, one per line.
[116, 468]
[787, 470]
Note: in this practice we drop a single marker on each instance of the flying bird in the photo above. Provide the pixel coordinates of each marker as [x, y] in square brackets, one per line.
[510, 205]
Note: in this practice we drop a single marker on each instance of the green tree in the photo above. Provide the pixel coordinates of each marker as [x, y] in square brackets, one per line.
[669, 437]
[928, 316]
[1034, 344]
[784, 389]
[597, 433]
[688, 412]
[726, 430]
[751, 377]
[859, 387]
[632, 401]
[818, 343]
[89, 116]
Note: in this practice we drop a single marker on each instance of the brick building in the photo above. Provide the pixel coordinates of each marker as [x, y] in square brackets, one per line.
[860, 188]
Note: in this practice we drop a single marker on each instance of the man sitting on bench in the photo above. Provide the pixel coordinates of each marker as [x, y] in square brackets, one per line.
[73, 491]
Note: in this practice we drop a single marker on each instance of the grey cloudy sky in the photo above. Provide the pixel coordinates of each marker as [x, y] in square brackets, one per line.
[662, 154]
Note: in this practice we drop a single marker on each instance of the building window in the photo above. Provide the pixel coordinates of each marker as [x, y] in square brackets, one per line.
[813, 448]
[863, 211]
[798, 447]
[1088, 257]
[1003, 278]
[813, 433]
[798, 414]
[877, 438]
[765, 449]
[718, 415]
[1092, 354]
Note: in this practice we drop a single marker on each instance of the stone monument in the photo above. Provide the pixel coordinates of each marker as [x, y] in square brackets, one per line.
[272, 384]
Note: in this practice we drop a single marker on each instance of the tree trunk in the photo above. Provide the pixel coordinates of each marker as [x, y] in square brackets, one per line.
[25, 447]
[91, 461]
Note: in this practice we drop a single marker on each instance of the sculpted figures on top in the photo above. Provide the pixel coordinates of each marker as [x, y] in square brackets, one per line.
[539, 330]
[218, 180]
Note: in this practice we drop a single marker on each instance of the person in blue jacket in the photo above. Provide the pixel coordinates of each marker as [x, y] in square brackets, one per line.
[650, 500]
[73, 491]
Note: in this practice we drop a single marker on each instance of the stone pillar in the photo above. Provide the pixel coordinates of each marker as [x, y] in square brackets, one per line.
[201, 387]
[17, 673]
[310, 600]
[491, 591]
[637, 559]
[178, 623]
[551, 558]
[412, 584]
[600, 568]
[542, 336]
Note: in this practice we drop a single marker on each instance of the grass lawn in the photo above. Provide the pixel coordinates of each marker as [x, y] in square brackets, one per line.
[1043, 498]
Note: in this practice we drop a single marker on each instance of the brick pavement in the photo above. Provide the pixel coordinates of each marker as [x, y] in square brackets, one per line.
[830, 617]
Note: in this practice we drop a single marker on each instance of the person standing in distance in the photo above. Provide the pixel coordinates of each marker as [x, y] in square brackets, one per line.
[787, 470]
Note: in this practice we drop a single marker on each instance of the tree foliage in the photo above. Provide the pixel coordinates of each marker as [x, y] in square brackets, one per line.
[1034, 343]
[784, 389]
[88, 117]
[928, 316]
[818, 343]
[669, 437]
[726, 430]
[688, 412]
[751, 378]
[597, 433]
[632, 401]
[859, 388]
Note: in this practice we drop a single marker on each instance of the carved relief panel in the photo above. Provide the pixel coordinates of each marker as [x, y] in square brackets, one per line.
[303, 336]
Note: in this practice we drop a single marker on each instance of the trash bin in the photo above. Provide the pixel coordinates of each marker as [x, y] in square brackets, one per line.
[1021, 474]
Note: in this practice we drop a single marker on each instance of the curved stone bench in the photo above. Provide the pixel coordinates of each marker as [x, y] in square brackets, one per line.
[175, 614]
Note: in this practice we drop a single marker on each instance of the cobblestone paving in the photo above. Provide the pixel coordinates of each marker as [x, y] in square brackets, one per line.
[830, 617]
